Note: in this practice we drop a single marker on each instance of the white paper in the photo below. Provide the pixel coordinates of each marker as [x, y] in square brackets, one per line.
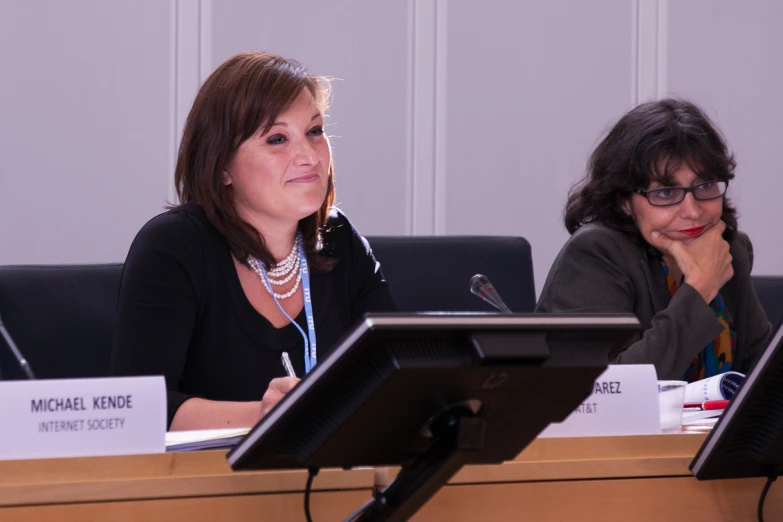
[691, 417]
[82, 417]
[188, 437]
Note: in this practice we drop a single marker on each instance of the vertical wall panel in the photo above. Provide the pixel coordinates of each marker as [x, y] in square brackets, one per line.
[728, 57]
[531, 87]
[365, 46]
[85, 134]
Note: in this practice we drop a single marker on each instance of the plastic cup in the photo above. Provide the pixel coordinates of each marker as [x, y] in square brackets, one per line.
[671, 396]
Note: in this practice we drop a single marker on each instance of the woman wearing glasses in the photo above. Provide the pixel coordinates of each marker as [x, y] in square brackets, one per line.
[654, 235]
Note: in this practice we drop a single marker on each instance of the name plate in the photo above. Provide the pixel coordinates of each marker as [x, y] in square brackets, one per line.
[82, 417]
[624, 402]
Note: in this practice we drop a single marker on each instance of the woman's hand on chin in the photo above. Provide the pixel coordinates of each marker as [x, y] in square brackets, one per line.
[705, 261]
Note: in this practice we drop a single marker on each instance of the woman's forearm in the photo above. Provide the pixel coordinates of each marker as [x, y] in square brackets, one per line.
[203, 414]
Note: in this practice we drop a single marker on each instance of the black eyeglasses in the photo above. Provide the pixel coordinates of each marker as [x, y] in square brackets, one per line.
[664, 197]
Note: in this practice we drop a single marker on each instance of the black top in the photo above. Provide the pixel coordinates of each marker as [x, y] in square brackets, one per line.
[183, 314]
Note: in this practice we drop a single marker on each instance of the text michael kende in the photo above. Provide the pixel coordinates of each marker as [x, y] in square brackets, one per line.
[75, 404]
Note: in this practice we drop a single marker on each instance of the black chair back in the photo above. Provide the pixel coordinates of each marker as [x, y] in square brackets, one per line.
[61, 317]
[433, 273]
[770, 292]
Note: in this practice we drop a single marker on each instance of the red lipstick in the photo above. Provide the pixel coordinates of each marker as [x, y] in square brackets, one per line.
[692, 232]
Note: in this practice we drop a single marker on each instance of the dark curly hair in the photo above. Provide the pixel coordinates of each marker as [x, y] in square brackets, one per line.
[648, 144]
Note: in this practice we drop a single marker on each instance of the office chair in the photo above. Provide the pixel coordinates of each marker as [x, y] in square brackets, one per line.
[433, 273]
[61, 317]
[770, 292]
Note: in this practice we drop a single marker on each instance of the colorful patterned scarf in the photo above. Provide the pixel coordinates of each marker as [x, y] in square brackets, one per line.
[717, 356]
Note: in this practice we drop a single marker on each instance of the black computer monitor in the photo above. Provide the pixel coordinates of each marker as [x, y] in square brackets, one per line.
[433, 392]
[747, 441]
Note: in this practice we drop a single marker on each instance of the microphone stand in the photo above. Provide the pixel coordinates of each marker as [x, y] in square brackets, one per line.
[15, 350]
[481, 286]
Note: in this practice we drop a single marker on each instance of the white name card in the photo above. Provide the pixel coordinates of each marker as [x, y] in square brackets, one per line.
[82, 417]
[624, 402]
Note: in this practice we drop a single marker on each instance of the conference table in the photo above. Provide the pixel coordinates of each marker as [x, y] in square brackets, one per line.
[599, 478]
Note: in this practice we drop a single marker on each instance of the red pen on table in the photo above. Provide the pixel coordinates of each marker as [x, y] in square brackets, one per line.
[707, 405]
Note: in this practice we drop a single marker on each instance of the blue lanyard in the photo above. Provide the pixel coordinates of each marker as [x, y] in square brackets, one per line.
[310, 357]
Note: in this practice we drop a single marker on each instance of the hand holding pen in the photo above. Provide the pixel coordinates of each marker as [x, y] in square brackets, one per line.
[278, 388]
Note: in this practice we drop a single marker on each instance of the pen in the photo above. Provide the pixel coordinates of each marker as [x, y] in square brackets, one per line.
[289, 368]
[707, 405]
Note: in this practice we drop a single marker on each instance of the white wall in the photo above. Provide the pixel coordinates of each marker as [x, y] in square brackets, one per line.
[85, 126]
[449, 116]
[729, 58]
[530, 88]
[364, 45]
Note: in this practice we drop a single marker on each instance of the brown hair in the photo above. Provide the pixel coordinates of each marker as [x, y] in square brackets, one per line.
[665, 132]
[246, 93]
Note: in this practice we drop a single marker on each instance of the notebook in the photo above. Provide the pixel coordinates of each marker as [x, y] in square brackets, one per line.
[204, 439]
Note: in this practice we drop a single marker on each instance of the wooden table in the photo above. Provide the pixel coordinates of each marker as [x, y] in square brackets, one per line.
[188, 487]
[599, 479]
[609, 478]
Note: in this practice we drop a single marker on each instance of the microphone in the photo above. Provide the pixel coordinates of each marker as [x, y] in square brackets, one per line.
[15, 350]
[480, 286]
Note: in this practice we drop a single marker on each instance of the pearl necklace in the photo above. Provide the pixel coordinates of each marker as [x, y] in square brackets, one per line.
[281, 273]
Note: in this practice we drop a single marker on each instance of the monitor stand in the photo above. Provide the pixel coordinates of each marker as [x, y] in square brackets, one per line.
[457, 432]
